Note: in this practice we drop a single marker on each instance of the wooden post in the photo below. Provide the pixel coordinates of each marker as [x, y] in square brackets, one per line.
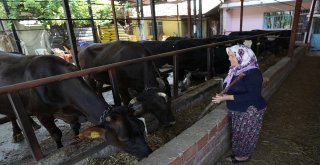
[294, 28]
[241, 15]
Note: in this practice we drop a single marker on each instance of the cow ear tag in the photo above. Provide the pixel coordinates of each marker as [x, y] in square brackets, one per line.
[91, 133]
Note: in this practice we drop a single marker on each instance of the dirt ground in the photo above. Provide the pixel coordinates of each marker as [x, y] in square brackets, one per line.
[291, 127]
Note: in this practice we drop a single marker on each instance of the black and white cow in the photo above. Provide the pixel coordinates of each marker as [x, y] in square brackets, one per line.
[71, 100]
[142, 78]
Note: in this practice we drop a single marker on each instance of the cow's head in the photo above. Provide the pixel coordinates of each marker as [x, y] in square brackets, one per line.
[121, 129]
[155, 102]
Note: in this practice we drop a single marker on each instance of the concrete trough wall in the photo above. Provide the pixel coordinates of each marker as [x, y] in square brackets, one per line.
[209, 138]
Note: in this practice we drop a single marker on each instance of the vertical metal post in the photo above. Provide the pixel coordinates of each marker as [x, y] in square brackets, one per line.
[154, 21]
[2, 27]
[138, 12]
[93, 26]
[210, 66]
[175, 75]
[189, 18]
[194, 18]
[14, 32]
[25, 125]
[178, 18]
[200, 18]
[114, 86]
[241, 15]
[294, 28]
[306, 39]
[141, 27]
[114, 15]
[72, 37]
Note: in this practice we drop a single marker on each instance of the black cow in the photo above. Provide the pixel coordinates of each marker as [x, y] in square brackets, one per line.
[197, 60]
[142, 78]
[68, 98]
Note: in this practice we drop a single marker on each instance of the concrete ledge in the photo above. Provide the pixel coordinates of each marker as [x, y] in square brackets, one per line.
[209, 138]
[196, 143]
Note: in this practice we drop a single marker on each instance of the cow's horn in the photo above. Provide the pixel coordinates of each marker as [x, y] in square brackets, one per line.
[165, 96]
[162, 85]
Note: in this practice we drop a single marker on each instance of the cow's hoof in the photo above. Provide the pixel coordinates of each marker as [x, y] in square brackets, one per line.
[17, 138]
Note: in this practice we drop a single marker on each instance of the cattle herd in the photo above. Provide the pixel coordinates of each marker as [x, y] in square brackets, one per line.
[80, 99]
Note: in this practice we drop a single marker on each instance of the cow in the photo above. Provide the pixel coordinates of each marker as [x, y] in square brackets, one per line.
[139, 82]
[196, 61]
[71, 100]
[158, 47]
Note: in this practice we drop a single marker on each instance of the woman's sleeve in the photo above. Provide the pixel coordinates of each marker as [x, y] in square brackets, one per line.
[253, 84]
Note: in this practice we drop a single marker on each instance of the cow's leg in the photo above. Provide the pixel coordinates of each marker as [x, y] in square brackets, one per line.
[55, 132]
[35, 125]
[124, 94]
[17, 135]
[75, 127]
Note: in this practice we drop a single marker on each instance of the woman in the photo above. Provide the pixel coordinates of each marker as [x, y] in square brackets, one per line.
[244, 101]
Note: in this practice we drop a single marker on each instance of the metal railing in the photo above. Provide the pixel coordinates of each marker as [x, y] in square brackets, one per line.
[13, 96]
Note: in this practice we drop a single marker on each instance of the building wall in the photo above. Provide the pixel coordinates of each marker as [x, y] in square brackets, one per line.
[252, 16]
[171, 27]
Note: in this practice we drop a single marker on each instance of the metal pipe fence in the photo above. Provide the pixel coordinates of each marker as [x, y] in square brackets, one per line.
[13, 95]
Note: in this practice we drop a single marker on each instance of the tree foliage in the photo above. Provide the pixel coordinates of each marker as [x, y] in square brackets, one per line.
[50, 12]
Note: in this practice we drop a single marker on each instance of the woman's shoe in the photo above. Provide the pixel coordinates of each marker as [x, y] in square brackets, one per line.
[233, 159]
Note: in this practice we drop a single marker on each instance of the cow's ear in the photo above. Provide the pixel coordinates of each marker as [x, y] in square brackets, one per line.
[92, 133]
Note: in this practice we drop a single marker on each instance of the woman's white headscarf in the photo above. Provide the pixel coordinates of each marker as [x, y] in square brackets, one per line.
[246, 58]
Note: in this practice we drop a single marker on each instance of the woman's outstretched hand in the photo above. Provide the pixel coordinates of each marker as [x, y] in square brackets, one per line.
[220, 98]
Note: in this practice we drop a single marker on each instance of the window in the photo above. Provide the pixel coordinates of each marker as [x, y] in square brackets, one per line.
[159, 28]
[277, 20]
[280, 19]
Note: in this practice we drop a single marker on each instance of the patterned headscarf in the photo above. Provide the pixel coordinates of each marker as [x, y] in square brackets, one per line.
[246, 58]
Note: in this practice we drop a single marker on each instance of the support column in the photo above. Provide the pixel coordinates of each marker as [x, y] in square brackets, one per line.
[154, 21]
[200, 18]
[241, 15]
[114, 15]
[306, 39]
[189, 18]
[13, 28]
[194, 18]
[294, 28]
[93, 26]
[72, 37]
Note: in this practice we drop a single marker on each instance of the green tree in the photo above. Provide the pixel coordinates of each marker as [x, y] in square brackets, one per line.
[50, 12]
